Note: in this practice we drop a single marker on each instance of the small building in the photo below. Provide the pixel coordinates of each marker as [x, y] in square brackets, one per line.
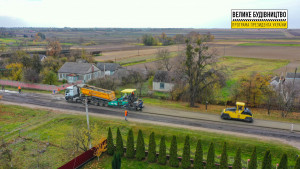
[108, 68]
[163, 81]
[73, 71]
[42, 57]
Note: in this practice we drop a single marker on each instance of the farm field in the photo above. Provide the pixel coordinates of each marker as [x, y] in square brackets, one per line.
[125, 55]
[40, 126]
[268, 44]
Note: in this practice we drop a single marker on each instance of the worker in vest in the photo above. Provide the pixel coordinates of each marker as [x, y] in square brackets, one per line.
[126, 113]
[19, 89]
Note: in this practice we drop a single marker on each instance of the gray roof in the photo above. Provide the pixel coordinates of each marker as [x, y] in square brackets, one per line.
[40, 55]
[291, 75]
[164, 76]
[108, 66]
[77, 68]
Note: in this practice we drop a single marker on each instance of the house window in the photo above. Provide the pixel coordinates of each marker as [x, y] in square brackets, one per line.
[162, 86]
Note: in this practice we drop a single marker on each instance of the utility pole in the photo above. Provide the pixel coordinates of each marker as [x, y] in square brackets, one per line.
[88, 121]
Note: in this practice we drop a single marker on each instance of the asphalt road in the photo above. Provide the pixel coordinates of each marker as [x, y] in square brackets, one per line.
[239, 127]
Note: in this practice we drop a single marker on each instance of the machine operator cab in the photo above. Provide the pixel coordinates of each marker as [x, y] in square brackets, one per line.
[238, 113]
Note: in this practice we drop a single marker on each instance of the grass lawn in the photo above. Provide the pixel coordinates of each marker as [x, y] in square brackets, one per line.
[39, 125]
[267, 44]
[105, 162]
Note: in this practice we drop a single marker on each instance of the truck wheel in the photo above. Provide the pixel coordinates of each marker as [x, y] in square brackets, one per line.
[70, 100]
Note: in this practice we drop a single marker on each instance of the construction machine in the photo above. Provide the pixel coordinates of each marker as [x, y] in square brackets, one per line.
[127, 100]
[240, 112]
[102, 97]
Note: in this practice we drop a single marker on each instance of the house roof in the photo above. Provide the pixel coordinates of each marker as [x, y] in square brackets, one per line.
[164, 76]
[108, 66]
[40, 55]
[291, 75]
[77, 68]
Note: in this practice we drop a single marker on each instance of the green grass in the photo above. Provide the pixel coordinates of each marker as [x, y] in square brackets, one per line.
[144, 59]
[40, 125]
[8, 40]
[105, 162]
[267, 44]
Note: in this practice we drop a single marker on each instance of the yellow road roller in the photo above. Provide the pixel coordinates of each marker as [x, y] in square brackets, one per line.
[240, 112]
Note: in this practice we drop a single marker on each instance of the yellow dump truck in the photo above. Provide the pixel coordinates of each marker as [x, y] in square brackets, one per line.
[98, 92]
[95, 95]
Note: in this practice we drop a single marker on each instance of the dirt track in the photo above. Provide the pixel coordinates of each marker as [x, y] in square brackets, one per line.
[237, 127]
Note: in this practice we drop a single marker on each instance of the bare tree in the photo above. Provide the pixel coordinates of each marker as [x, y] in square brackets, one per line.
[164, 60]
[53, 48]
[199, 68]
[287, 94]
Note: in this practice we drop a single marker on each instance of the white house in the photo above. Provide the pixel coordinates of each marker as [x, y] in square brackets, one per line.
[163, 81]
[73, 71]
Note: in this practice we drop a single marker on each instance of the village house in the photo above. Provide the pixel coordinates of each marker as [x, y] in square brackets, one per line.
[42, 57]
[163, 81]
[73, 71]
[290, 79]
[108, 68]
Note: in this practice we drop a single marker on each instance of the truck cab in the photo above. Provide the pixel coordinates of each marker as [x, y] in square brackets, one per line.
[72, 92]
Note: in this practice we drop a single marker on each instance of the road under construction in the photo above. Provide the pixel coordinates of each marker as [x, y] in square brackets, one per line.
[286, 132]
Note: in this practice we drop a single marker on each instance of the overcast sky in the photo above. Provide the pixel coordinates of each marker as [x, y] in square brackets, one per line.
[134, 13]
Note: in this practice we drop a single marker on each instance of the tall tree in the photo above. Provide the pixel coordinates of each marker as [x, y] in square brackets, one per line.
[16, 71]
[152, 149]
[237, 164]
[140, 146]
[53, 48]
[186, 156]
[49, 77]
[164, 60]
[173, 161]
[116, 162]
[130, 145]
[31, 75]
[162, 159]
[36, 63]
[283, 162]
[287, 92]
[253, 160]
[198, 161]
[119, 144]
[210, 162]
[297, 165]
[224, 158]
[110, 143]
[200, 68]
[267, 160]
